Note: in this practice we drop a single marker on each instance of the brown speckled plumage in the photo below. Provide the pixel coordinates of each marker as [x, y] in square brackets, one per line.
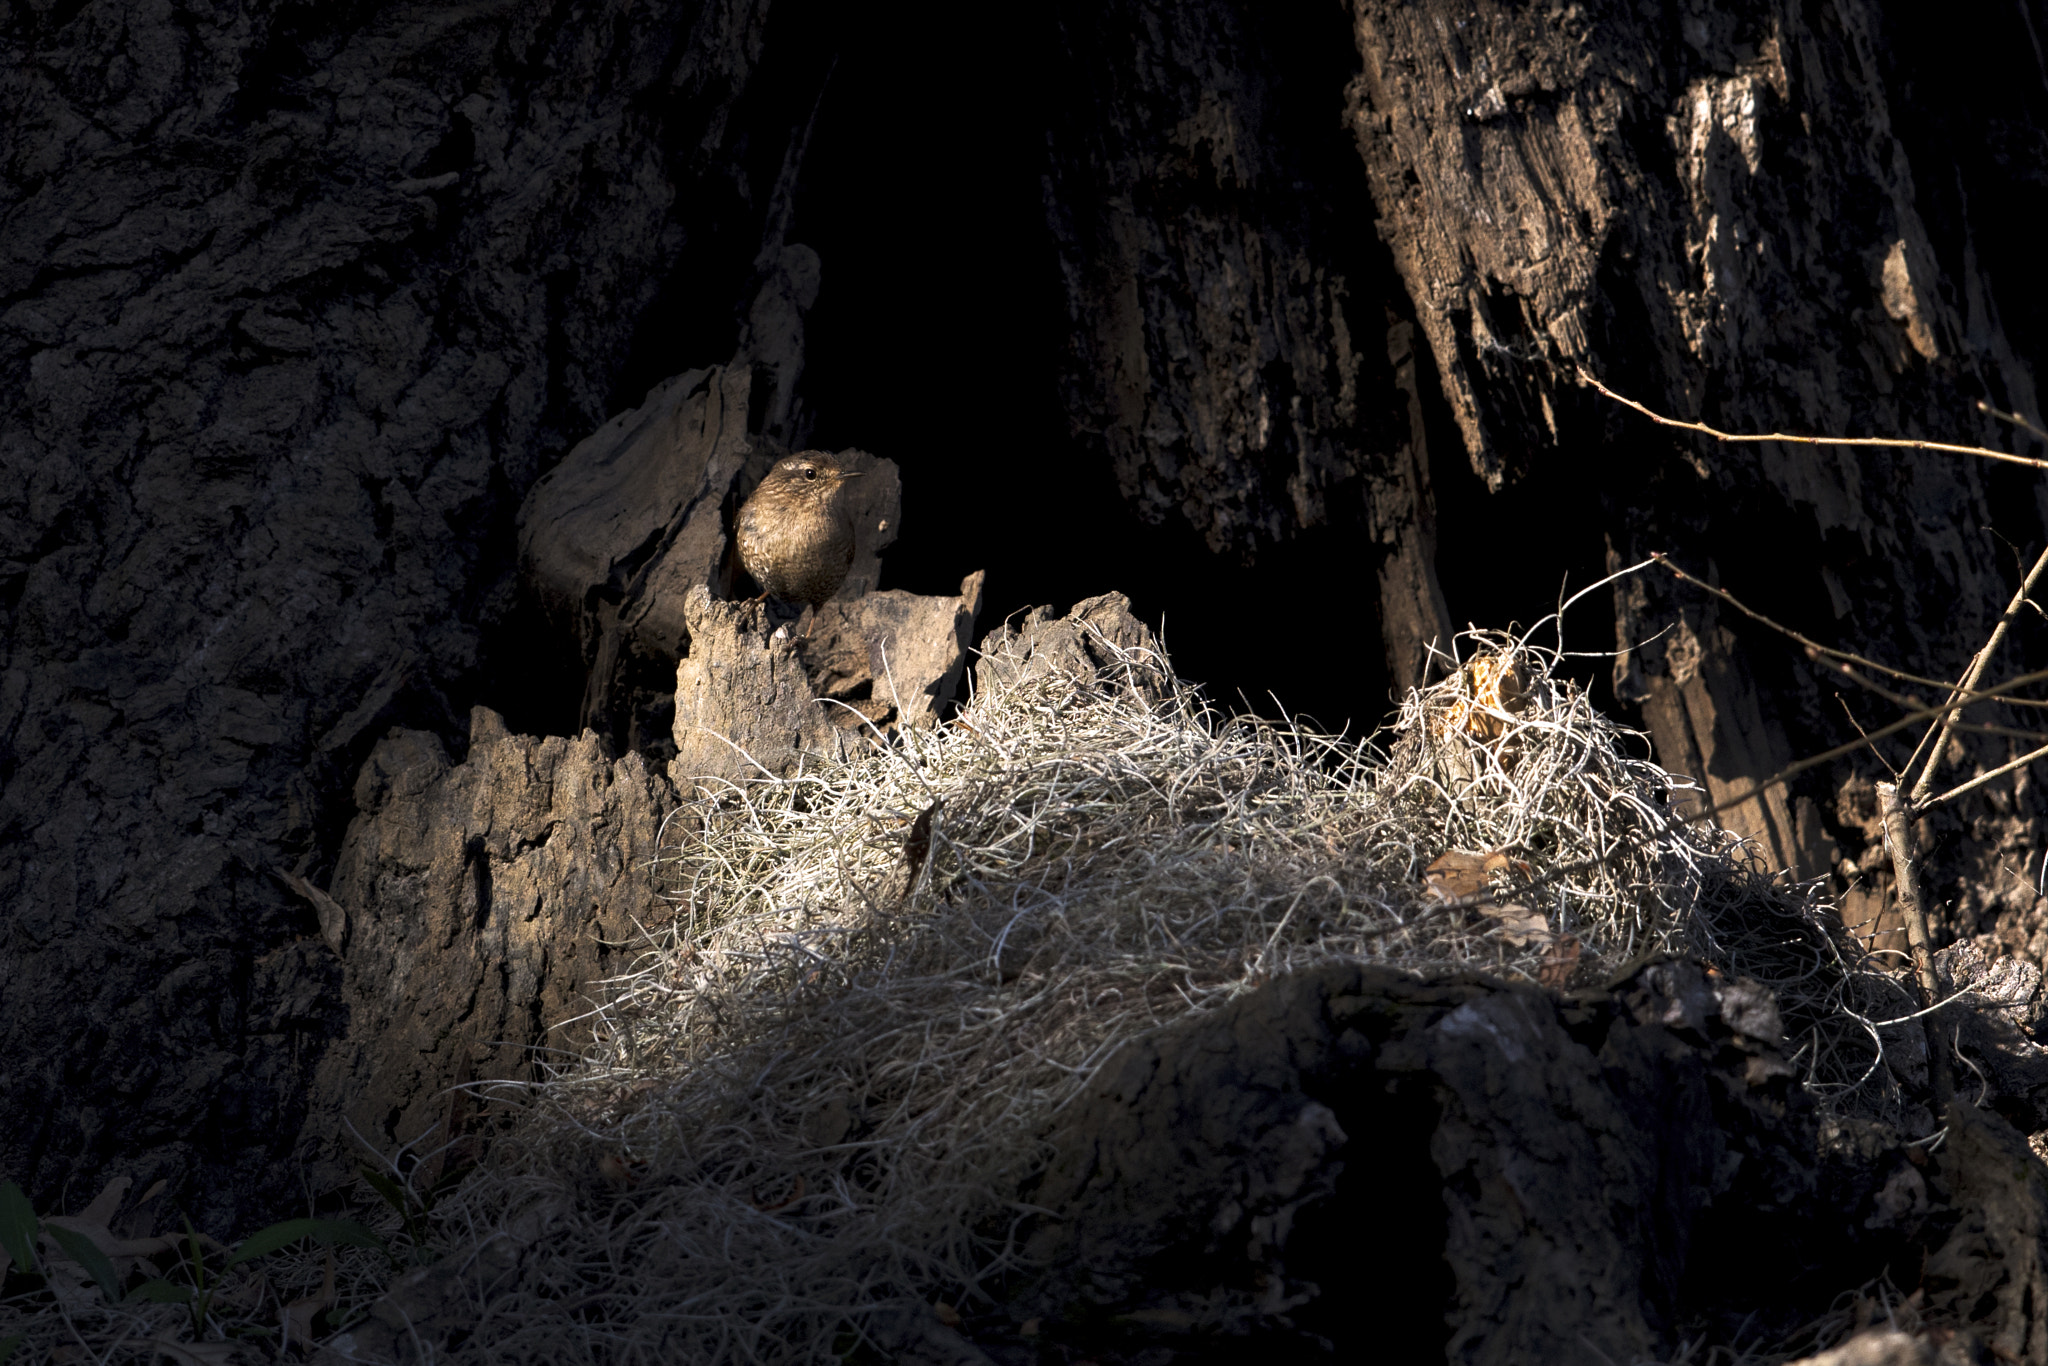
[795, 533]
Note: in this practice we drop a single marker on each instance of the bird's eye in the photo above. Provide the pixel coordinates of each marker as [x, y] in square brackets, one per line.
[810, 472]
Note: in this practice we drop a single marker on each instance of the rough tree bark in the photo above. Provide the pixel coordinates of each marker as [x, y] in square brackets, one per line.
[1748, 214]
[1232, 354]
[296, 301]
[476, 906]
[1767, 216]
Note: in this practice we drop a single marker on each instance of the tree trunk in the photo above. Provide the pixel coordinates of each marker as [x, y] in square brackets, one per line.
[1237, 354]
[1765, 217]
[297, 302]
[300, 302]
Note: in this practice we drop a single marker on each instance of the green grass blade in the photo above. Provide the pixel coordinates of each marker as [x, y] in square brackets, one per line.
[17, 1226]
[160, 1291]
[328, 1231]
[87, 1254]
[393, 1193]
[8, 1346]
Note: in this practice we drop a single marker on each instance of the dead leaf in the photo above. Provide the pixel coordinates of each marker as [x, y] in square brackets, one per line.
[917, 845]
[141, 1220]
[299, 1314]
[101, 1210]
[1558, 965]
[124, 1252]
[333, 918]
[67, 1280]
[1520, 926]
[948, 1315]
[1459, 873]
[1455, 875]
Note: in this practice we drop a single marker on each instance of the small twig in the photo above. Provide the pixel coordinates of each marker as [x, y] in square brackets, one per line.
[2004, 732]
[1873, 442]
[2014, 418]
[1866, 736]
[1783, 630]
[1929, 803]
[1910, 719]
[1849, 673]
[1978, 664]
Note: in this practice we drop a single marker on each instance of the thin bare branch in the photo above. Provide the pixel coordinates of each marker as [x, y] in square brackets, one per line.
[1870, 442]
[1910, 719]
[1849, 674]
[2005, 732]
[1725, 596]
[2016, 419]
[1981, 779]
[1866, 737]
[1978, 664]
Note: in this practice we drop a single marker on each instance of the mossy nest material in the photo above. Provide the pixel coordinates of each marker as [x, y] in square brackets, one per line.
[813, 1102]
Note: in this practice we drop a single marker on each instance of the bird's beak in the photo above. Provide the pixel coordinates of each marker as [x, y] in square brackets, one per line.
[849, 474]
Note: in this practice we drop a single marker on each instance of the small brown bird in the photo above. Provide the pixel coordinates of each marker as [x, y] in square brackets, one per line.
[795, 534]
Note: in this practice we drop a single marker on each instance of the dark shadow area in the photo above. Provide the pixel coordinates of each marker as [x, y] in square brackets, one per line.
[937, 342]
[1970, 106]
[1375, 1251]
[1537, 542]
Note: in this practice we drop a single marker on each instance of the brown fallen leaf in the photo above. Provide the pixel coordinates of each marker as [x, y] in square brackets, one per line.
[1492, 692]
[917, 845]
[299, 1314]
[91, 1223]
[1558, 965]
[1459, 873]
[101, 1210]
[1520, 926]
[947, 1314]
[1455, 875]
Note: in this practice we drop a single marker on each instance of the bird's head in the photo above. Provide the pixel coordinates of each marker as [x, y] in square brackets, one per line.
[812, 472]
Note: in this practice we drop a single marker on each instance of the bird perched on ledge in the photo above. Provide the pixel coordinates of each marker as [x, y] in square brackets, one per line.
[795, 533]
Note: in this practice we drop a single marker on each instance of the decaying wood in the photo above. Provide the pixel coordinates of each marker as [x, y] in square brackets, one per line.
[484, 900]
[298, 302]
[1234, 353]
[1669, 209]
[1898, 831]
